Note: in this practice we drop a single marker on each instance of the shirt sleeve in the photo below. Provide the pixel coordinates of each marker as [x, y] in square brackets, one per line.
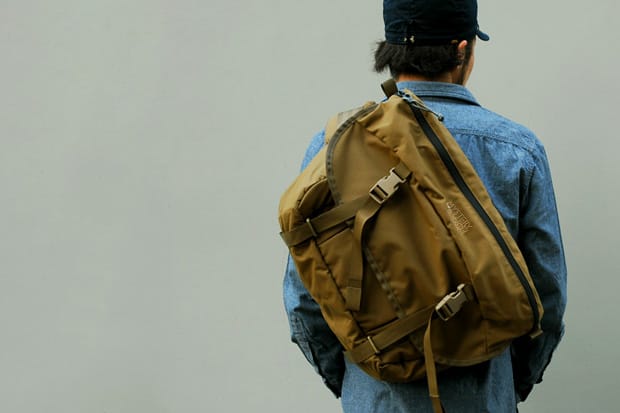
[541, 243]
[307, 325]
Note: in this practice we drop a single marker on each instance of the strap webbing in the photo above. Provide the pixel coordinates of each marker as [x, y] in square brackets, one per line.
[396, 331]
[323, 222]
[431, 372]
[463, 294]
[353, 293]
[370, 208]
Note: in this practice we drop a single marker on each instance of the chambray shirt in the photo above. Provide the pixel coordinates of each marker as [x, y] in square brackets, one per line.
[512, 163]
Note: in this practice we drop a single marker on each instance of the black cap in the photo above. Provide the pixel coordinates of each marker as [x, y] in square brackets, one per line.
[427, 22]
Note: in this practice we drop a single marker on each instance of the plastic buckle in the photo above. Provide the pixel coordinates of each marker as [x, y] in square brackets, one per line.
[385, 187]
[451, 303]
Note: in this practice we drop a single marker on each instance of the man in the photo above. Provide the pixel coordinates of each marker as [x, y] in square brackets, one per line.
[429, 49]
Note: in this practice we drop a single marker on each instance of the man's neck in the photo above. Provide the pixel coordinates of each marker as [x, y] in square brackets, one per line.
[447, 77]
[459, 76]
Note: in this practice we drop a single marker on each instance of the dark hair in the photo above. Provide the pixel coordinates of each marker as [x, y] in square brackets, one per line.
[427, 61]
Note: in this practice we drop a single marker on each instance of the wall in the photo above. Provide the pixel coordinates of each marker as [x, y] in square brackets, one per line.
[144, 148]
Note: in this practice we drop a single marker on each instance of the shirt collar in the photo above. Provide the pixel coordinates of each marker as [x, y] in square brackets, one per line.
[439, 90]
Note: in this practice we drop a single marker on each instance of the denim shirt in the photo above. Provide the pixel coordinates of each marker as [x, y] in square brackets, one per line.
[513, 165]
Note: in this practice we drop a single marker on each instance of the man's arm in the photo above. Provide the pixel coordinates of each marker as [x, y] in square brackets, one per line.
[541, 243]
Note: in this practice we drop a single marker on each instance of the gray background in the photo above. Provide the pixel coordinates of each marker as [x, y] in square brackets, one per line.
[144, 148]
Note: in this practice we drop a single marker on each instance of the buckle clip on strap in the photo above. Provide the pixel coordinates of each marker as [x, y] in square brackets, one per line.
[386, 187]
[453, 302]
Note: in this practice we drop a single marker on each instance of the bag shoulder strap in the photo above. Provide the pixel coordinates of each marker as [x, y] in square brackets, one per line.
[389, 87]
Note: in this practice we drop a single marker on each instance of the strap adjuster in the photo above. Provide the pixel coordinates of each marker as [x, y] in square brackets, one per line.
[373, 345]
[452, 303]
[386, 187]
[312, 230]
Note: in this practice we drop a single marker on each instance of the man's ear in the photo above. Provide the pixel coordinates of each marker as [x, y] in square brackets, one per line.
[460, 51]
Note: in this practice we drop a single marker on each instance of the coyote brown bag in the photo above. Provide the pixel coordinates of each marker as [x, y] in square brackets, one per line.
[396, 238]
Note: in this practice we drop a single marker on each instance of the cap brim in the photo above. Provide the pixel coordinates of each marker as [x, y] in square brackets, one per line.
[482, 35]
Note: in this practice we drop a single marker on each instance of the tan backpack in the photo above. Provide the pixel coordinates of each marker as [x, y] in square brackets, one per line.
[395, 237]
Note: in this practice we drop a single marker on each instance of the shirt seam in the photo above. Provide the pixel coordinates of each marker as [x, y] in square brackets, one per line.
[458, 131]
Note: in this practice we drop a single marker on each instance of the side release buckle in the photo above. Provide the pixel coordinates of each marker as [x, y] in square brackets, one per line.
[452, 303]
[386, 187]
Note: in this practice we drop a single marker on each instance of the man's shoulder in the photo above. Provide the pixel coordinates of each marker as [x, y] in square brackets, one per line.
[464, 114]
[316, 143]
[492, 126]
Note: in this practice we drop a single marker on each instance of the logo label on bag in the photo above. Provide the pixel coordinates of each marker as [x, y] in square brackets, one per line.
[458, 219]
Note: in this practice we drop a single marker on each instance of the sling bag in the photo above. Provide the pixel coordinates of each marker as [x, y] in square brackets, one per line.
[396, 238]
